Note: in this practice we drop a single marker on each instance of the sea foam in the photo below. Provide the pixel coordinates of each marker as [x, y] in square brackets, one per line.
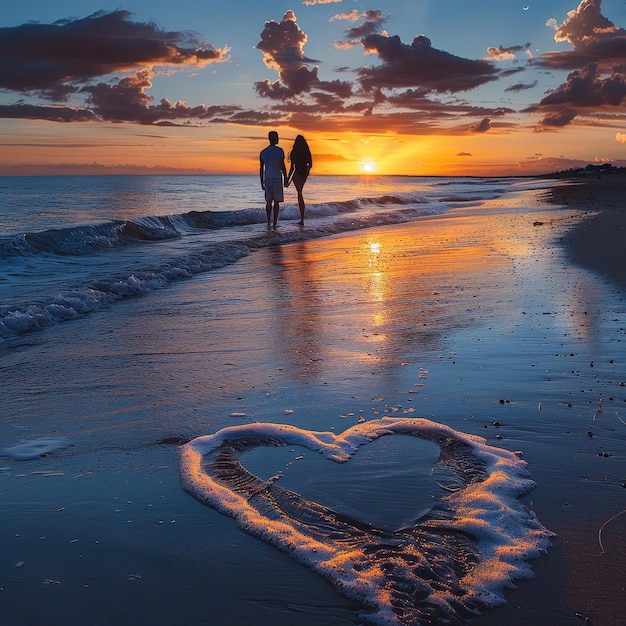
[33, 448]
[446, 566]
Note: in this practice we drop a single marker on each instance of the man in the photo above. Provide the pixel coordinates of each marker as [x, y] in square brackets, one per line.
[272, 172]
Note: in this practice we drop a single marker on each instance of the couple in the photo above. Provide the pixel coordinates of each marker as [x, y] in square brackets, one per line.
[273, 172]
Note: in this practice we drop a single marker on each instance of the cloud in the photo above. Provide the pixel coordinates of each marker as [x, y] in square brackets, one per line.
[421, 65]
[352, 16]
[404, 66]
[312, 3]
[481, 127]
[464, 154]
[597, 83]
[127, 101]
[586, 26]
[500, 53]
[521, 87]
[282, 44]
[416, 99]
[68, 56]
[50, 113]
[592, 36]
[54, 59]
[583, 90]
[542, 165]
[557, 118]
[397, 95]
[248, 117]
[372, 23]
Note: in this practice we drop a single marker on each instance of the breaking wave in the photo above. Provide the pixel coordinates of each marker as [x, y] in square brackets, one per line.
[95, 246]
[84, 240]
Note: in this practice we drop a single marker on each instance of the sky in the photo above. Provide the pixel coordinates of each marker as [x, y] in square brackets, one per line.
[410, 87]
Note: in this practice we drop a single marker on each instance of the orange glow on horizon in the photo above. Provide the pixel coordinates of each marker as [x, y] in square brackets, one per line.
[35, 148]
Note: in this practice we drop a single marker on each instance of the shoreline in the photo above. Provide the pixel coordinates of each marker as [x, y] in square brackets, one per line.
[599, 241]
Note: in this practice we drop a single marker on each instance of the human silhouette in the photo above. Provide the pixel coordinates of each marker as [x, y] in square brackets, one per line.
[273, 175]
[301, 164]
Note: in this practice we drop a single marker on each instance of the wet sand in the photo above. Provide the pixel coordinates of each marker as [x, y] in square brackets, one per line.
[599, 243]
[490, 320]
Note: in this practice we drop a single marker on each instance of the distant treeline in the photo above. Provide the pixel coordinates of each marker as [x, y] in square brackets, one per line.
[591, 169]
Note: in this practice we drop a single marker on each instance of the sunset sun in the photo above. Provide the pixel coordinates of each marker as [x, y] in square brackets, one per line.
[368, 167]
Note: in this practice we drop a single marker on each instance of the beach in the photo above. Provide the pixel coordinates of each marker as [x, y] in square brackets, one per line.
[599, 242]
[503, 319]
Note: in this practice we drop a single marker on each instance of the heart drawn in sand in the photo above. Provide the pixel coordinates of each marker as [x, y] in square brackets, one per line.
[445, 566]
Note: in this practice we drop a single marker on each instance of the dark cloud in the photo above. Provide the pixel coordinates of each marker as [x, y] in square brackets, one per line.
[127, 101]
[583, 90]
[416, 66]
[49, 113]
[393, 96]
[324, 105]
[282, 44]
[53, 58]
[521, 87]
[424, 123]
[564, 60]
[258, 118]
[481, 127]
[371, 25]
[68, 56]
[417, 99]
[557, 118]
[421, 65]
[598, 58]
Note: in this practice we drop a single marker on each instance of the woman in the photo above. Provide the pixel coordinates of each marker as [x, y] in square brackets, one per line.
[301, 164]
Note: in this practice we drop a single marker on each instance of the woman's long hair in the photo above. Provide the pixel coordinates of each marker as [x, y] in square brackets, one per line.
[300, 153]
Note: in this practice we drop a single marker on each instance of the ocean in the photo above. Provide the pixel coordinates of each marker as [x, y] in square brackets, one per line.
[400, 413]
[73, 245]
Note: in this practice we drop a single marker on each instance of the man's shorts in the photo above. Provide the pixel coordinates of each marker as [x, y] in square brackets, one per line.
[274, 190]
